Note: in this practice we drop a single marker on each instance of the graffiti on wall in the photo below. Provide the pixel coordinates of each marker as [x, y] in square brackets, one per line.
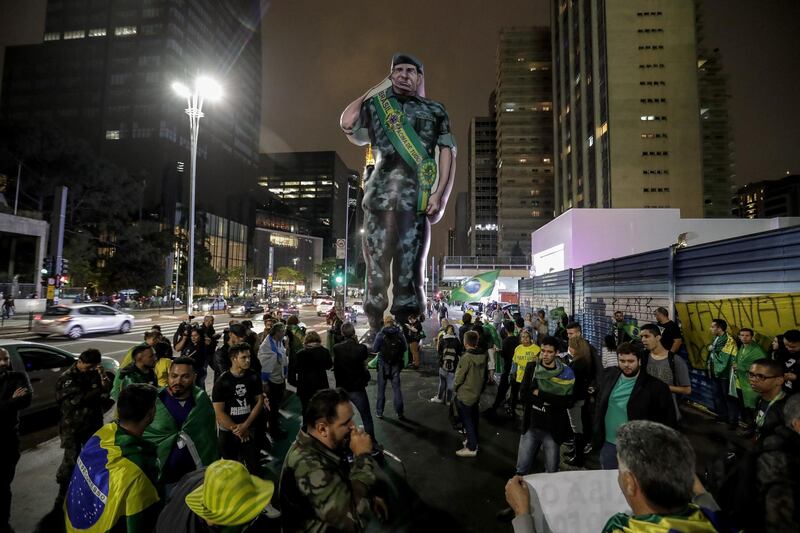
[768, 315]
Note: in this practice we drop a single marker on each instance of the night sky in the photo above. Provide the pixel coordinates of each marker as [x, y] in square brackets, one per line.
[319, 55]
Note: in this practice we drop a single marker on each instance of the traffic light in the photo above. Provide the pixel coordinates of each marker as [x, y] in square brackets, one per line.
[64, 265]
[337, 277]
[47, 266]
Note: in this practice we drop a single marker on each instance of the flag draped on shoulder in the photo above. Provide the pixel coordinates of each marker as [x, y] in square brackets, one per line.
[692, 519]
[476, 287]
[114, 479]
[198, 431]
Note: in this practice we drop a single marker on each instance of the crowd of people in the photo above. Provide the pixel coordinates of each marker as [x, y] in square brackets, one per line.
[177, 452]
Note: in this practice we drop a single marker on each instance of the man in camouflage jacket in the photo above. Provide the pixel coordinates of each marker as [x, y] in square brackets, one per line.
[80, 393]
[319, 489]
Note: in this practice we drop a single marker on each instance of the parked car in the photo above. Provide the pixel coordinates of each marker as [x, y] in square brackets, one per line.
[476, 307]
[249, 308]
[511, 309]
[210, 304]
[358, 307]
[324, 307]
[79, 319]
[43, 365]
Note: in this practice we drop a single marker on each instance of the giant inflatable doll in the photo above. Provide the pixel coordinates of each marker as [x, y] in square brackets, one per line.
[415, 161]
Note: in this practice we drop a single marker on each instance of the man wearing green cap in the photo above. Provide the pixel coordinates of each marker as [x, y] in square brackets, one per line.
[408, 189]
[223, 495]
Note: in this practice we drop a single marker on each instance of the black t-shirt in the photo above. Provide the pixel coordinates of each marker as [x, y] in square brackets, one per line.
[791, 363]
[669, 332]
[239, 394]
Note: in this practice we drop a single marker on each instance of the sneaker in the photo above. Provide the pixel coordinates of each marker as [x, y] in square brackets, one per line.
[401, 418]
[271, 512]
[466, 452]
[380, 417]
[436, 399]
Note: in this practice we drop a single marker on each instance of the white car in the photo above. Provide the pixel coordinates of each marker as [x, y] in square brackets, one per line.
[358, 307]
[324, 307]
[79, 319]
[210, 304]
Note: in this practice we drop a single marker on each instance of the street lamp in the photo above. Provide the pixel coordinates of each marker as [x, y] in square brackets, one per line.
[204, 88]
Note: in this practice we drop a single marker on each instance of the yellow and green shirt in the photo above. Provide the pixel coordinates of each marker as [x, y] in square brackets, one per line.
[522, 356]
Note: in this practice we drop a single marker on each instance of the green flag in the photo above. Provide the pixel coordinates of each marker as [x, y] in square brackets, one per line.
[476, 287]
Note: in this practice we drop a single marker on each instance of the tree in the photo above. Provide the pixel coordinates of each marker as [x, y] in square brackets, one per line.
[325, 269]
[286, 273]
[137, 260]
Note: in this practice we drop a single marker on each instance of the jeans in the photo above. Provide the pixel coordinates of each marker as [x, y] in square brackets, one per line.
[446, 380]
[529, 444]
[361, 401]
[502, 388]
[200, 377]
[247, 453]
[469, 417]
[389, 372]
[725, 405]
[608, 456]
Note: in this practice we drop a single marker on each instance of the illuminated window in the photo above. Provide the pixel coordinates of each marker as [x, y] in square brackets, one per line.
[121, 31]
[97, 32]
[284, 241]
[53, 36]
[78, 34]
[112, 135]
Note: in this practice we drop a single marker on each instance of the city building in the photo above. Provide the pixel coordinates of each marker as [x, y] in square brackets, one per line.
[626, 105]
[715, 127]
[104, 72]
[571, 240]
[314, 186]
[482, 168]
[524, 137]
[461, 243]
[770, 198]
[451, 242]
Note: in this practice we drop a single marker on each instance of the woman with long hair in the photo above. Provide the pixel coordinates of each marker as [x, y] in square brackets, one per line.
[580, 360]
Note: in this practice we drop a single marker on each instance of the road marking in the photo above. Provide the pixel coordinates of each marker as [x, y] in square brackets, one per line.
[101, 340]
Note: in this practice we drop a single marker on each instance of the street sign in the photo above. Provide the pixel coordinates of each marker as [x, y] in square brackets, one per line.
[340, 250]
[51, 292]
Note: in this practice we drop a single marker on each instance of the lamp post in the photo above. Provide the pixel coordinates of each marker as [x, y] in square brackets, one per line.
[346, 242]
[203, 88]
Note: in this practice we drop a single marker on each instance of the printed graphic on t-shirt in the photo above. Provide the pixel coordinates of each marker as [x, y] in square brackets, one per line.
[243, 406]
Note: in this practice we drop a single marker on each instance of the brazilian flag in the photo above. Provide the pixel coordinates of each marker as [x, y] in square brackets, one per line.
[114, 480]
[476, 287]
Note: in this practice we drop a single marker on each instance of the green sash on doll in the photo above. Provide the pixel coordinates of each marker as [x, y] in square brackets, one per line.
[408, 144]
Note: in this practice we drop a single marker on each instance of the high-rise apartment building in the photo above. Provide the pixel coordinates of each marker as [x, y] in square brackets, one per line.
[482, 168]
[770, 198]
[524, 137]
[715, 128]
[104, 72]
[626, 105]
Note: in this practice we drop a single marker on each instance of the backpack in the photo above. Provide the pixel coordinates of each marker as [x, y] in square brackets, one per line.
[670, 359]
[392, 350]
[449, 359]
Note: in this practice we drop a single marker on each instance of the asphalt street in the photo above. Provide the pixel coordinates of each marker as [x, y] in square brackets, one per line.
[431, 489]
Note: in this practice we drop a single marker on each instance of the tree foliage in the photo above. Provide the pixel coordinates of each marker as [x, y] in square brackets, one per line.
[286, 273]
